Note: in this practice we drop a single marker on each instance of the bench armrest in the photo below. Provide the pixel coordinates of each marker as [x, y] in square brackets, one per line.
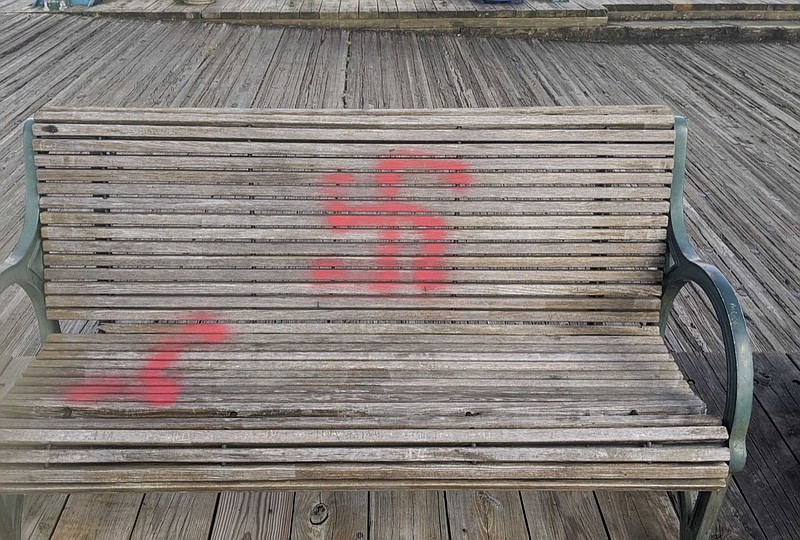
[24, 266]
[685, 266]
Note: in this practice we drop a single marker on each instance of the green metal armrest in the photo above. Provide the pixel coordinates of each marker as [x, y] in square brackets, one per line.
[685, 266]
[24, 266]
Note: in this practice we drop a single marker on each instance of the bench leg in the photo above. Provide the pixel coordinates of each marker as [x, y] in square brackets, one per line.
[698, 512]
[11, 516]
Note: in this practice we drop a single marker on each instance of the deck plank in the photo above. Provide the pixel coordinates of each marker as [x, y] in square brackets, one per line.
[98, 516]
[40, 515]
[175, 516]
[638, 515]
[570, 515]
[401, 515]
[485, 514]
[329, 515]
[256, 515]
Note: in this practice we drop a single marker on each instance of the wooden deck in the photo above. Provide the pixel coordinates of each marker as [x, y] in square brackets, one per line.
[743, 202]
[570, 19]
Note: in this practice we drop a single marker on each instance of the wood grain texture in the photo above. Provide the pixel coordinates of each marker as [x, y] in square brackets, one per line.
[40, 515]
[168, 516]
[638, 515]
[486, 514]
[555, 515]
[401, 515]
[330, 515]
[98, 516]
[258, 515]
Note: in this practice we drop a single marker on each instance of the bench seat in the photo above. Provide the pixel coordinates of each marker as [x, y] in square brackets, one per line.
[353, 411]
[357, 299]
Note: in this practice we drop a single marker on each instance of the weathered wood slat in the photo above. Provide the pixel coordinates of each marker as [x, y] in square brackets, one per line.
[353, 302]
[362, 316]
[487, 454]
[429, 418]
[337, 249]
[301, 150]
[203, 275]
[365, 262]
[395, 120]
[383, 471]
[377, 222]
[147, 437]
[343, 164]
[406, 328]
[233, 179]
[353, 235]
[433, 135]
[629, 484]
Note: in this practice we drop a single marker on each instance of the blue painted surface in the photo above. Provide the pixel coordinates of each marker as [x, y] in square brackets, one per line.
[69, 3]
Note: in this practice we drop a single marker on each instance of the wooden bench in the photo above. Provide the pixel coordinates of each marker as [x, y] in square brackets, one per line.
[426, 299]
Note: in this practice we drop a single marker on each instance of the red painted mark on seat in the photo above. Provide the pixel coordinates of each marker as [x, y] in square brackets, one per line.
[387, 215]
[152, 384]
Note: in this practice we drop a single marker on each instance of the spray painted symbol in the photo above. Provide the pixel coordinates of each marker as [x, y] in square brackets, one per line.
[152, 385]
[388, 214]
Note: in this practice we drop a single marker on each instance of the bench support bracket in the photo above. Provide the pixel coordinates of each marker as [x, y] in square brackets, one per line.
[25, 266]
[11, 516]
[698, 511]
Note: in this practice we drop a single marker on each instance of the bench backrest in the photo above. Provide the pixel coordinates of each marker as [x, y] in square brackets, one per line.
[471, 220]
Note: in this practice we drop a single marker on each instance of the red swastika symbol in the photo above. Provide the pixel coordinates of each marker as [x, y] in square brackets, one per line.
[387, 215]
[152, 385]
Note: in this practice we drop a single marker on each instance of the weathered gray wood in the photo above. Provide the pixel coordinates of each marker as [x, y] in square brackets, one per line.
[257, 515]
[40, 514]
[638, 515]
[168, 516]
[485, 514]
[329, 515]
[553, 515]
[11, 507]
[397, 515]
[102, 516]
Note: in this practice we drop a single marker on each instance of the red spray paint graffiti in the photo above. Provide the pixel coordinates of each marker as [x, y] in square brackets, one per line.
[152, 385]
[388, 214]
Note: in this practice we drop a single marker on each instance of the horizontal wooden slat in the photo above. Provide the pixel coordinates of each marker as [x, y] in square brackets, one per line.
[705, 484]
[395, 220]
[243, 206]
[53, 232]
[353, 360]
[645, 118]
[423, 418]
[353, 302]
[247, 289]
[359, 315]
[56, 409]
[406, 261]
[57, 456]
[202, 275]
[344, 164]
[146, 437]
[544, 343]
[398, 328]
[299, 150]
[307, 178]
[331, 249]
[429, 135]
